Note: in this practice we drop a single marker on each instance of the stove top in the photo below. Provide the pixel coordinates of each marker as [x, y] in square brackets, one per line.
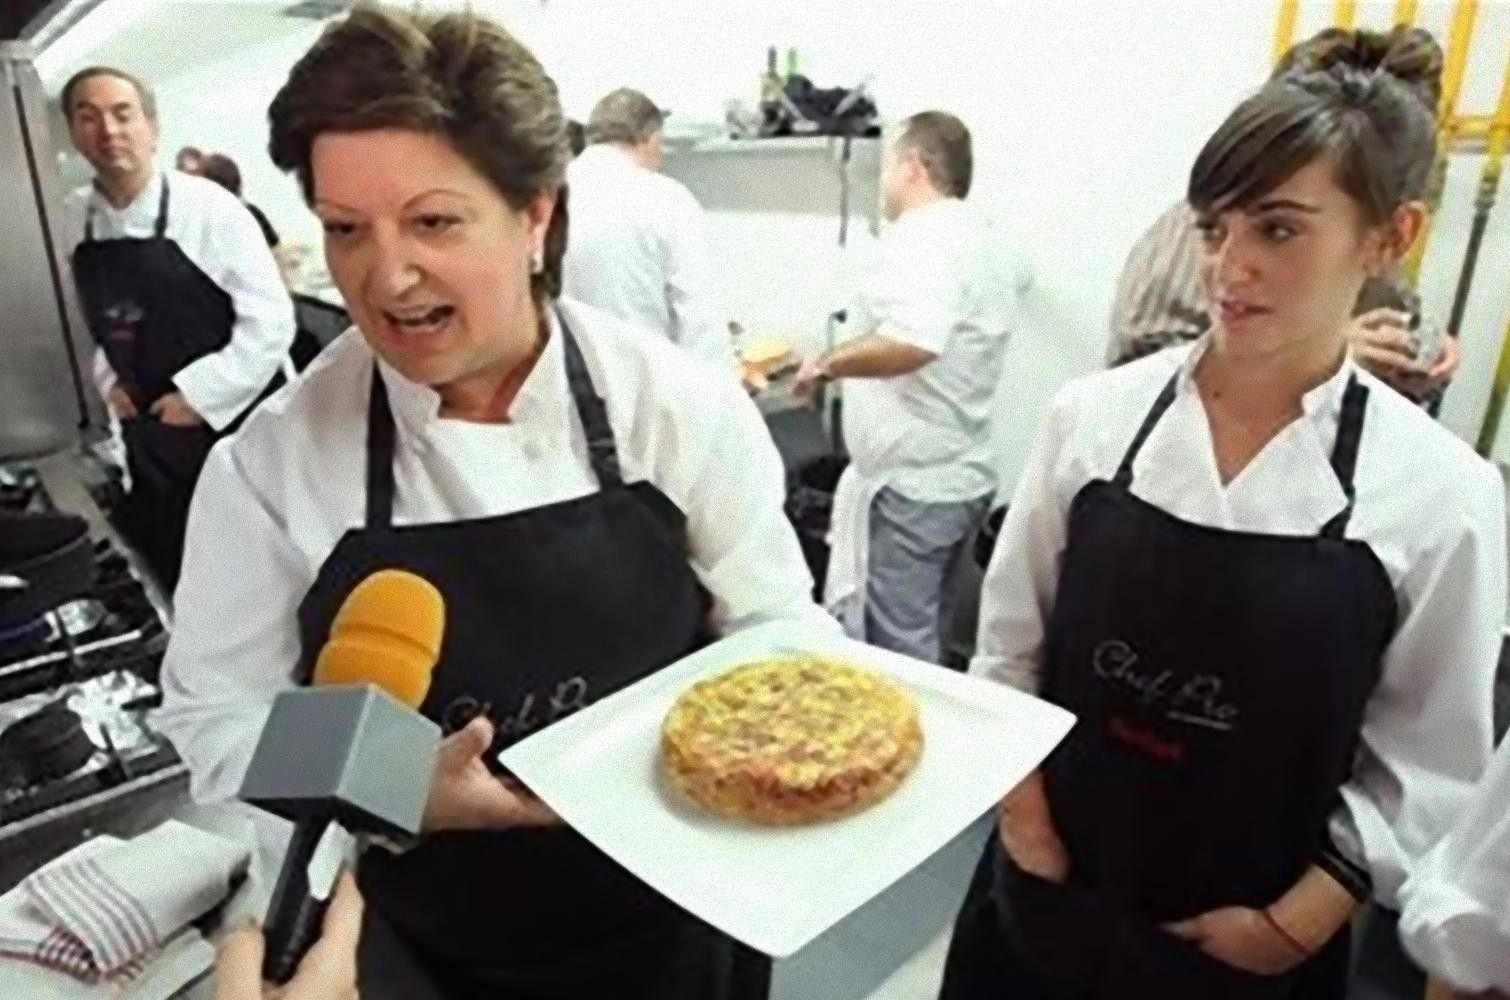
[100, 657]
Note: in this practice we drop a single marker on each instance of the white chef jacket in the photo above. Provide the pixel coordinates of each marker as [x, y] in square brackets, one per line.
[273, 501]
[1431, 510]
[216, 232]
[638, 249]
[1455, 918]
[945, 282]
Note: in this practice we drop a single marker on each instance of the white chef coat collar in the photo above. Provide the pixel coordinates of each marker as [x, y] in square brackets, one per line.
[1324, 400]
[609, 151]
[929, 210]
[540, 405]
[146, 199]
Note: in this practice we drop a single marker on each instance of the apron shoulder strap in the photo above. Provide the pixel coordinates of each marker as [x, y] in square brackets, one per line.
[602, 449]
[1345, 452]
[380, 434]
[1124, 476]
[160, 229]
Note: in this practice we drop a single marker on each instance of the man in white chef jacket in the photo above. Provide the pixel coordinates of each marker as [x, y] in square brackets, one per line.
[918, 387]
[638, 247]
[183, 297]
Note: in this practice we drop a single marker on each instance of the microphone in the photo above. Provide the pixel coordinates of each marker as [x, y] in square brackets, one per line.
[349, 753]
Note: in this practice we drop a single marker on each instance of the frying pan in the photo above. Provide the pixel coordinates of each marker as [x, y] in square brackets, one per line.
[47, 745]
[46, 559]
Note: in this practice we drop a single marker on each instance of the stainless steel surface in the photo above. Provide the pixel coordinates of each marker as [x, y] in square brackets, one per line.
[46, 399]
[107, 674]
[56, 18]
[77, 617]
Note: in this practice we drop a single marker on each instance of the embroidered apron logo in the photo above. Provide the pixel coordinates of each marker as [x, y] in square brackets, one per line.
[569, 696]
[1196, 701]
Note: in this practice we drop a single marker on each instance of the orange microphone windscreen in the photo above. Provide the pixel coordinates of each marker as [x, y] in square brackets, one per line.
[388, 633]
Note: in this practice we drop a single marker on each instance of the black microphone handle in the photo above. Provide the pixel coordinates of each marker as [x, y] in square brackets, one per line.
[294, 916]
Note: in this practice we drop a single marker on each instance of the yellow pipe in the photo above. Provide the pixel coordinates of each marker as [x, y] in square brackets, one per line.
[1499, 145]
[1347, 13]
[1499, 128]
[1405, 11]
[1489, 432]
[1284, 28]
[1459, 40]
[1472, 126]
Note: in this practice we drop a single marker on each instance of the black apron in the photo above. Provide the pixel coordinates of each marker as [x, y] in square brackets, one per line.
[153, 312]
[547, 610]
[1220, 679]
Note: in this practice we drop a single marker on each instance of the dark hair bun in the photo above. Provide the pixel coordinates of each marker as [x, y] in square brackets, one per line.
[1410, 55]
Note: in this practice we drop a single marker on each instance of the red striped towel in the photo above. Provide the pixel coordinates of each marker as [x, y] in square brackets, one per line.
[105, 909]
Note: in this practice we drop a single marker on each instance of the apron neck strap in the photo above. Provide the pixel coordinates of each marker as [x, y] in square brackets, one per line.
[380, 435]
[602, 448]
[1124, 476]
[1345, 452]
[159, 228]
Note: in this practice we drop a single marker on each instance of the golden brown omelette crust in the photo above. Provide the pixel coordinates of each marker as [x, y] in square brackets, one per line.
[791, 740]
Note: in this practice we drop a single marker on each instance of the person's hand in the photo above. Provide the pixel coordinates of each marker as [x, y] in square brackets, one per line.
[753, 380]
[1438, 374]
[175, 411]
[1381, 342]
[465, 795]
[810, 375]
[328, 972]
[1242, 938]
[120, 403]
[1027, 832]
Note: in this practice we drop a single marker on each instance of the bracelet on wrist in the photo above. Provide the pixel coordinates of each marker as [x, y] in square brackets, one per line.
[1285, 935]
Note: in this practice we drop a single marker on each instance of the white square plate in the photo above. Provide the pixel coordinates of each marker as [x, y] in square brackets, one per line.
[777, 888]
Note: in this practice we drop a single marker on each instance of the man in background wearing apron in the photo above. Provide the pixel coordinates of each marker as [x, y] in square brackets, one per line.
[921, 375]
[183, 298]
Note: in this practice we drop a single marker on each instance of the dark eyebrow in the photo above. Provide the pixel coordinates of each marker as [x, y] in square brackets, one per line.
[91, 106]
[327, 203]
[1272, 204]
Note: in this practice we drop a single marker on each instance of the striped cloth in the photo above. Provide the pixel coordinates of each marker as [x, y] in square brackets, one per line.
[1161, 301]
[103, 911]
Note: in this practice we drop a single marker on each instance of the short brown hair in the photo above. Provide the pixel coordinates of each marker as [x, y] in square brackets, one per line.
[626, 115]
[1378, 135]
[143, 92]
[460, 77]
[942, 143]
[222, 170]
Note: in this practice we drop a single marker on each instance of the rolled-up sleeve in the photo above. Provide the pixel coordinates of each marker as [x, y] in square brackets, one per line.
[1455, 912]
[221, 385]
[1017, 596]
[1428, 733]
[235, 642]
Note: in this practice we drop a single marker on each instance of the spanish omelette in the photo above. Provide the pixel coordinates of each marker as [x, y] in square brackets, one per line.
[791, 740]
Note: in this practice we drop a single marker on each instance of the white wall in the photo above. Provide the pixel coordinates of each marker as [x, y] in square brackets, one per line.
[1086, 115]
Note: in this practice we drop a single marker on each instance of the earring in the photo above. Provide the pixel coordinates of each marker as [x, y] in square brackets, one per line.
[537, 261]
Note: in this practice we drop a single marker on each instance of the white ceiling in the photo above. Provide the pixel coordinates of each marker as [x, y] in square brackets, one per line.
[160, 39]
